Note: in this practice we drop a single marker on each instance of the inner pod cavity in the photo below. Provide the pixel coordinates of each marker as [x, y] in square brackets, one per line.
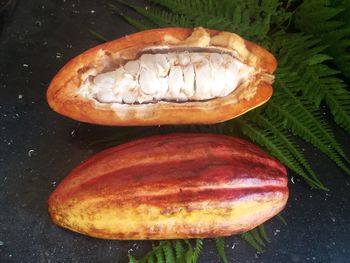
[169, 76]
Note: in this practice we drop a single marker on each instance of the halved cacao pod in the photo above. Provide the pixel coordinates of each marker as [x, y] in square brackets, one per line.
[172, 186]
[164, 76]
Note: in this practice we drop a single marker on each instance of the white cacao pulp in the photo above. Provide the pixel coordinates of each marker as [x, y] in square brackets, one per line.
[174, 76]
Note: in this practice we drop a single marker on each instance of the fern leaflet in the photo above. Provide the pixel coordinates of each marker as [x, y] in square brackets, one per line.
[169, 252]
[263, 233]
[337, 99]
[189, 252]
[132, 259]
[220, 247]
[98, 36]
[179, 251]
[248, 236]
[159, 253]
[256, 235]
[281, 218]
[140, 25]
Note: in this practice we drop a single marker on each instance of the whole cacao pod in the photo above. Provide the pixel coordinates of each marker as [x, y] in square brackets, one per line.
[165, 76]
[171, 186]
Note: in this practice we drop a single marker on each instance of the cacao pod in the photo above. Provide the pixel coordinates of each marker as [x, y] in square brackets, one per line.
[171, 186]
[164, 76]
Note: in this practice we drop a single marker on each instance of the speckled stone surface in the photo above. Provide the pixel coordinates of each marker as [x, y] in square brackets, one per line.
[39, 147]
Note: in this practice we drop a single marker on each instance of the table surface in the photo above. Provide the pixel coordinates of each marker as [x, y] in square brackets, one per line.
[39, 147]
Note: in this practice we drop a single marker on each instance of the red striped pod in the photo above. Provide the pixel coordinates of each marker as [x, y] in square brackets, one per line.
[171, 186]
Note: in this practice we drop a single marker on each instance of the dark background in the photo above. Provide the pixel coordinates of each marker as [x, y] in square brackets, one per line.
[39, 147]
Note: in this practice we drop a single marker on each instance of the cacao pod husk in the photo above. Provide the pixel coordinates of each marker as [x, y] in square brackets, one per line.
[65, 97]
[171, 186]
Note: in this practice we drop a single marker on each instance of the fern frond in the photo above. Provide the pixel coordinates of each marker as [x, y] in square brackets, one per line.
[160, 18]
[263, 233]
[281, 218]
[325, 20]
[338, 100]
[256, 235]
[197, 249]
[98, 36]
[249, 238]
[179, 251]
[284, 137]
[138, 24]
[169, 252]
[251, 19]
[189, 252]
[298, 55]
[132, 259]
[202, 13]
[220, 247]
[305, 120]
[311, 13]
[296, 118]
[276, 147]
[316, 81]
[343, 16]
[151, 259]
[270, 8]
[156, 252]
[159, 253]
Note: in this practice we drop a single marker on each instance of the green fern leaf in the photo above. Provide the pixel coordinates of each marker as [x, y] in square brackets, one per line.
[294, 119]
[248, 18]
[281, 218]
[192, 9]
[138, 24]
[132, 259]
[98, 36]
[327, 21]
[310, 13]
[168, 252]
[189, 252]
[257, 238]
[316, 81]
[161, 18]
[248, 236]
[306, 121]
[256, 235]
[179, 251]
[279, 133]
[251, 19]
[151, 259]
[155, 253]
[270, 8]
[220, 247]
[337, 99]
[263, 233]
[317, 59]
[159, 254]
[276, 147]
[197, 249]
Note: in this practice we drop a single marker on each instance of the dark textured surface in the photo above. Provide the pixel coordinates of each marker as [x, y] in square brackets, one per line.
[39, 147]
